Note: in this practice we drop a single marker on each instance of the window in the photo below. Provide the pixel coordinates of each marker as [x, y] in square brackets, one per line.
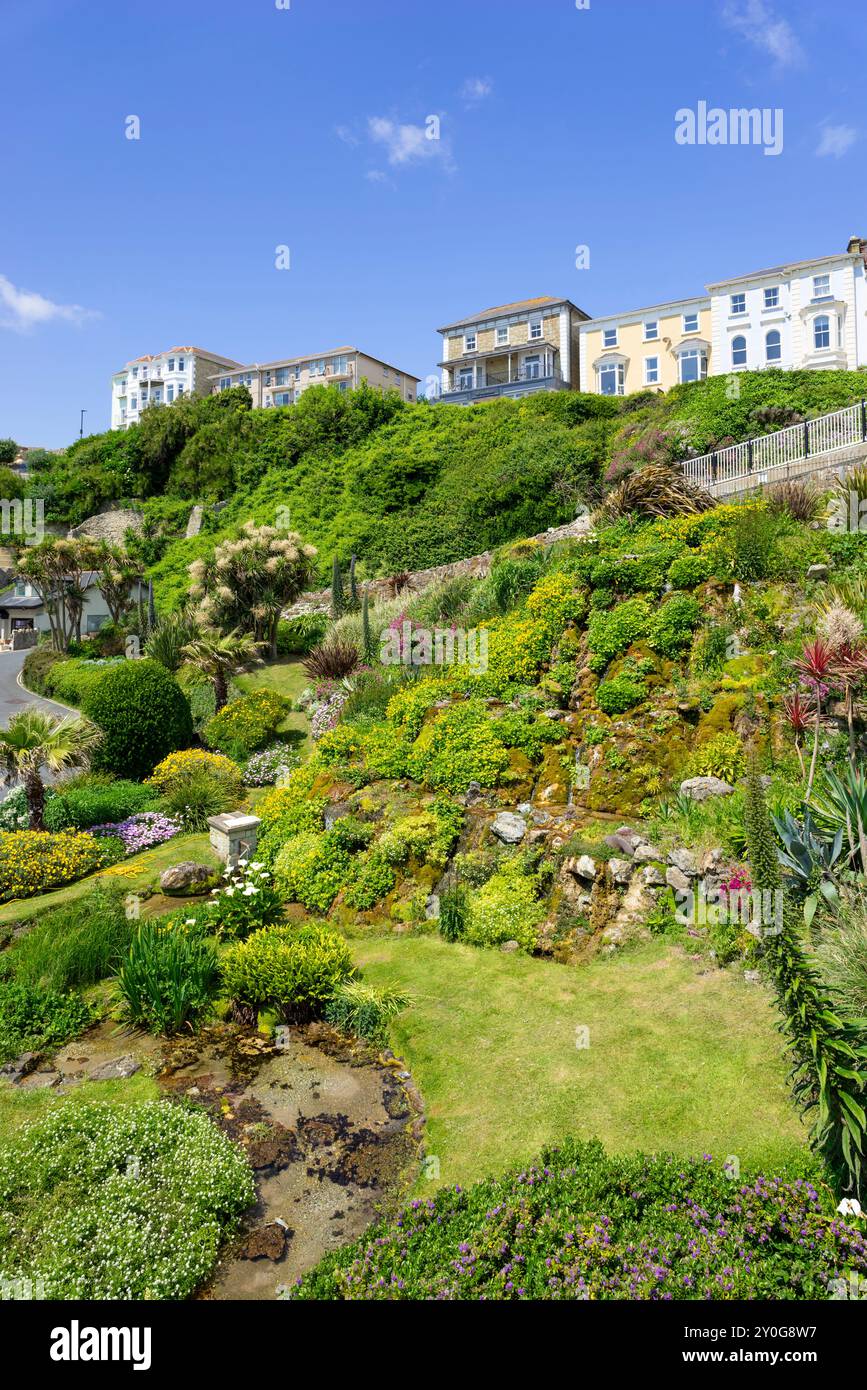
[180, 390]
[738, 304]
[609, 337]
[225, 383]
[281, 376]
[171, 364]
[135, 373]
[181, 364]
[532, 367]
[94, 622]
[283, 398]
[133, 402]
[611, 379]
[651, 371]
[773, 348]
[170, 394]
[693, 365]
[771, 298]
[535, 330]
[651, 330]
[822, 286]
[822, 331]
[690, 323]
[469, 342]
[502, 335]
[739, 351]
[465, 379]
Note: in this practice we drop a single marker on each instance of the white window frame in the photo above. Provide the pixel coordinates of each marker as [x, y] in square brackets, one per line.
[773, 290]
[501, 341]
[610, 337]
[620, 378]
[470, 341]
[817, 296]
[741, 299]
[688, 354]
[648, 379]
[651, 337]
[826, 319]
[687, 319]
[774, 333]
[532, 325]
[740, 338]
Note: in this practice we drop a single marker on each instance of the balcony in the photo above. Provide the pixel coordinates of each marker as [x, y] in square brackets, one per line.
[521, 382]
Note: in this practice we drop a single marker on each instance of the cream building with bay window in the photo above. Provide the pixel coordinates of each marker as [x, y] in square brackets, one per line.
[653, 348]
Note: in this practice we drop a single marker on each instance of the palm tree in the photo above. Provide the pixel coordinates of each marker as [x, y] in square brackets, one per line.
[218, 656]
[34, 740]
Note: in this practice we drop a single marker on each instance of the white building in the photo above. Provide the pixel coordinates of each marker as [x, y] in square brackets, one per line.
[162, 377]
[23, 613]
[809, 314]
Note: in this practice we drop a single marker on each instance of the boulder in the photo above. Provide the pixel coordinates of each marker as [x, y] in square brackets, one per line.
[182, 877]
[646, 854]
[510, 946]
[265, 1243]
[701, 788]
[582, 867]
[624, 844]
[509, 828]
[632, 837]
[621, 870]
[473, 793]
[22, 1066]
[432, 907]
[335, 812]
[677, 879]
[652, 877]
[116, 1069]
[684, 860]
[817, 572]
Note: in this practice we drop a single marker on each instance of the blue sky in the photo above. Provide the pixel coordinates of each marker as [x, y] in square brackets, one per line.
[305, 126]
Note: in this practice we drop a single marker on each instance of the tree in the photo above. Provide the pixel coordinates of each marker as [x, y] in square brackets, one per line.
[250, 580]
[116, 575]
[34, 740]
[217, 656]
[8, 451]
[59, 571]
[143, 714]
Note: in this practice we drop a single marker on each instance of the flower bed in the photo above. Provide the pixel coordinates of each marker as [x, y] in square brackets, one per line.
[34, 861]
[139, 832]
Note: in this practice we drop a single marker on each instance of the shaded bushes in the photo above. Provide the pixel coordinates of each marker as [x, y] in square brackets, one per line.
[143, 714]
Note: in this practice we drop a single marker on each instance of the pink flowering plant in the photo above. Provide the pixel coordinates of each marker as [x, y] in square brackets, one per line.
[141, 831]
[246, 901]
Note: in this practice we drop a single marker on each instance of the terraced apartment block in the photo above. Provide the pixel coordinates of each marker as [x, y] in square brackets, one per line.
[160, 378]
[512, 350]
[284, 381]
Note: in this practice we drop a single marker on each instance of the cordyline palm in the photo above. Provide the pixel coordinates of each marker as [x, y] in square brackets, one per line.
[850, 670]
[35, 740]
[218, 656]
[816, 668]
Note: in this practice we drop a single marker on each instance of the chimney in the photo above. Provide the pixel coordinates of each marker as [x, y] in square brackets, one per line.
[857, 246]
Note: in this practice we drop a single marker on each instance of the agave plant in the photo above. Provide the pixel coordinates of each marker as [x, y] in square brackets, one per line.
[809, 859]
[842, 805]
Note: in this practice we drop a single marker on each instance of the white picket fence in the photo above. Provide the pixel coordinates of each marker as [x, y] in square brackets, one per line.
[789, 453]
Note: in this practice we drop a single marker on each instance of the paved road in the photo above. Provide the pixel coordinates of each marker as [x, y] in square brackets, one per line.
[13, 697]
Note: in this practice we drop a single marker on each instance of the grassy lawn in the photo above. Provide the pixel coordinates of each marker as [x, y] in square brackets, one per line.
[17, 1106]
[680, 1061]
[287, 678]
[138, 872]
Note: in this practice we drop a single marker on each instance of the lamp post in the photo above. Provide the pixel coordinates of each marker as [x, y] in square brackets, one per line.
[81, 424]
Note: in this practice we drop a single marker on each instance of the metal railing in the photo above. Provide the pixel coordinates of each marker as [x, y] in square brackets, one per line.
[494, 379]
[771, 456]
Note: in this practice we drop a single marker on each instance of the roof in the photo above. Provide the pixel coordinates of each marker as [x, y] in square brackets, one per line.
[787, 267]
[315, 357]
[648, 309]
[518, 306]
[197, 351]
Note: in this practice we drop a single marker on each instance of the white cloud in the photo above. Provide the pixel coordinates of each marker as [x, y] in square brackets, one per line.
[346, 134]
[376, 176]
[22, 310]
[477, 88]
[407, 144]
[758, 23]
[836, 140]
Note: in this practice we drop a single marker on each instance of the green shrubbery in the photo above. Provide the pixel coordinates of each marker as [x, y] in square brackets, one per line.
[33, 1018]
[506, 908]
[248, 723]
[118, 1202]
[169, 978]
[619, 694]
[610, 633]
[74, 945]
[581, 1224]
[143, 714]
[296, 970]
[34, 861]
[365, 1009]
[83, 806]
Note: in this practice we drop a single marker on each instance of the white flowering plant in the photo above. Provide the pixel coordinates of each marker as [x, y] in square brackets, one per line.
[246, 901]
